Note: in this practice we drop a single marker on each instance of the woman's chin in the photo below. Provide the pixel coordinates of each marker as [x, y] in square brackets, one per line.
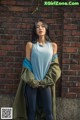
[41, 35]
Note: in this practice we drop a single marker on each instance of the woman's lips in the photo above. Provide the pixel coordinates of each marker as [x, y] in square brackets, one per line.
[40, 31]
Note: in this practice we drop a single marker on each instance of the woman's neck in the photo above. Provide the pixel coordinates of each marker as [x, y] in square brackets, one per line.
[41, 40]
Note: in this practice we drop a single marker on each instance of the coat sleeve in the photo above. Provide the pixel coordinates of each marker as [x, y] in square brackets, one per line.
[53, 73]
[28, 77]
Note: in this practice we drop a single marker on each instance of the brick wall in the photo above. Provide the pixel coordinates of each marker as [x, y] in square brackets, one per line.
[71, 53]
[16, 20]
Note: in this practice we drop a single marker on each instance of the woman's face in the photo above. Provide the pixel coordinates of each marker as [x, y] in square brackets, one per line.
[40, 29]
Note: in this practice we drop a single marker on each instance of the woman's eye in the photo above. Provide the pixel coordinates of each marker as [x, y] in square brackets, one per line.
[37, 26]
[43, 25]
[40, 26]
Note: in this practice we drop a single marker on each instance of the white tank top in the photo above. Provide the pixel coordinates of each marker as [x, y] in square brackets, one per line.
[41, 57]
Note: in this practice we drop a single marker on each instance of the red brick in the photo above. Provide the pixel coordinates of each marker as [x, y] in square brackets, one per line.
[70, 49]
[73, 39]
[66, 44]
[65, 67]
[76, 56]
[14, 65]
[12, 75]
[18, 70]
[70, 27]
[78, 83]
[78, 72]
[8, 91]
[75, 44]
[69, 84]
[65, 78]
[78, 95]
[66, 32]
[70, 14]
[2, 53]
[75, 67]
[25, 3]
[66, 55]
[65, 89]
[8, 86]
[8, 2]
[13, 53]
[16, 9]
[68, 20]
[74, 89]
[74, 78]
[78, 14]
[66, 61]
[69, 72]
[2, 70]
[69, 95]
[3, 81]
[8, 59]
[2, 75]
[7, 47]
[76, 33]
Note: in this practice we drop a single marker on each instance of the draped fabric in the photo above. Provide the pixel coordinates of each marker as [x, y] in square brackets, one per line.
[20, 105]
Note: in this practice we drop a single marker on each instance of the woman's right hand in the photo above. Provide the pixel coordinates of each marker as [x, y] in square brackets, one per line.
[34, 84]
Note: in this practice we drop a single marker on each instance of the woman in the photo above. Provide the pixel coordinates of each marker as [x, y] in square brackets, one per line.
[38, 72]
[40, 58]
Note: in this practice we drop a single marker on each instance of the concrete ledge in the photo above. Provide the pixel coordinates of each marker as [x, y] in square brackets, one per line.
[67, 109]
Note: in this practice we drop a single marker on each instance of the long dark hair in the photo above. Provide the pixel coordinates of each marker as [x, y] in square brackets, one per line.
[34, 34]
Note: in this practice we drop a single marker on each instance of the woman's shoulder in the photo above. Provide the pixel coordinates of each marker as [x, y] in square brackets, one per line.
[29, 44]
[54, 45]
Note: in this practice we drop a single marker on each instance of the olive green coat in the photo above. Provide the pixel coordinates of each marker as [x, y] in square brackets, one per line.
[20, 106]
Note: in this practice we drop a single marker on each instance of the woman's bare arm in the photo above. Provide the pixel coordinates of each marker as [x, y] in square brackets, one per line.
[28, 50]
[54, 48]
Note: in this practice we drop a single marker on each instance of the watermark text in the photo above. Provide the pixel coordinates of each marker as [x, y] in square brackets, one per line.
[57, 3]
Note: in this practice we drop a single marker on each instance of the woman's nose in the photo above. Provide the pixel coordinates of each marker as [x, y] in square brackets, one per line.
[40, 27]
